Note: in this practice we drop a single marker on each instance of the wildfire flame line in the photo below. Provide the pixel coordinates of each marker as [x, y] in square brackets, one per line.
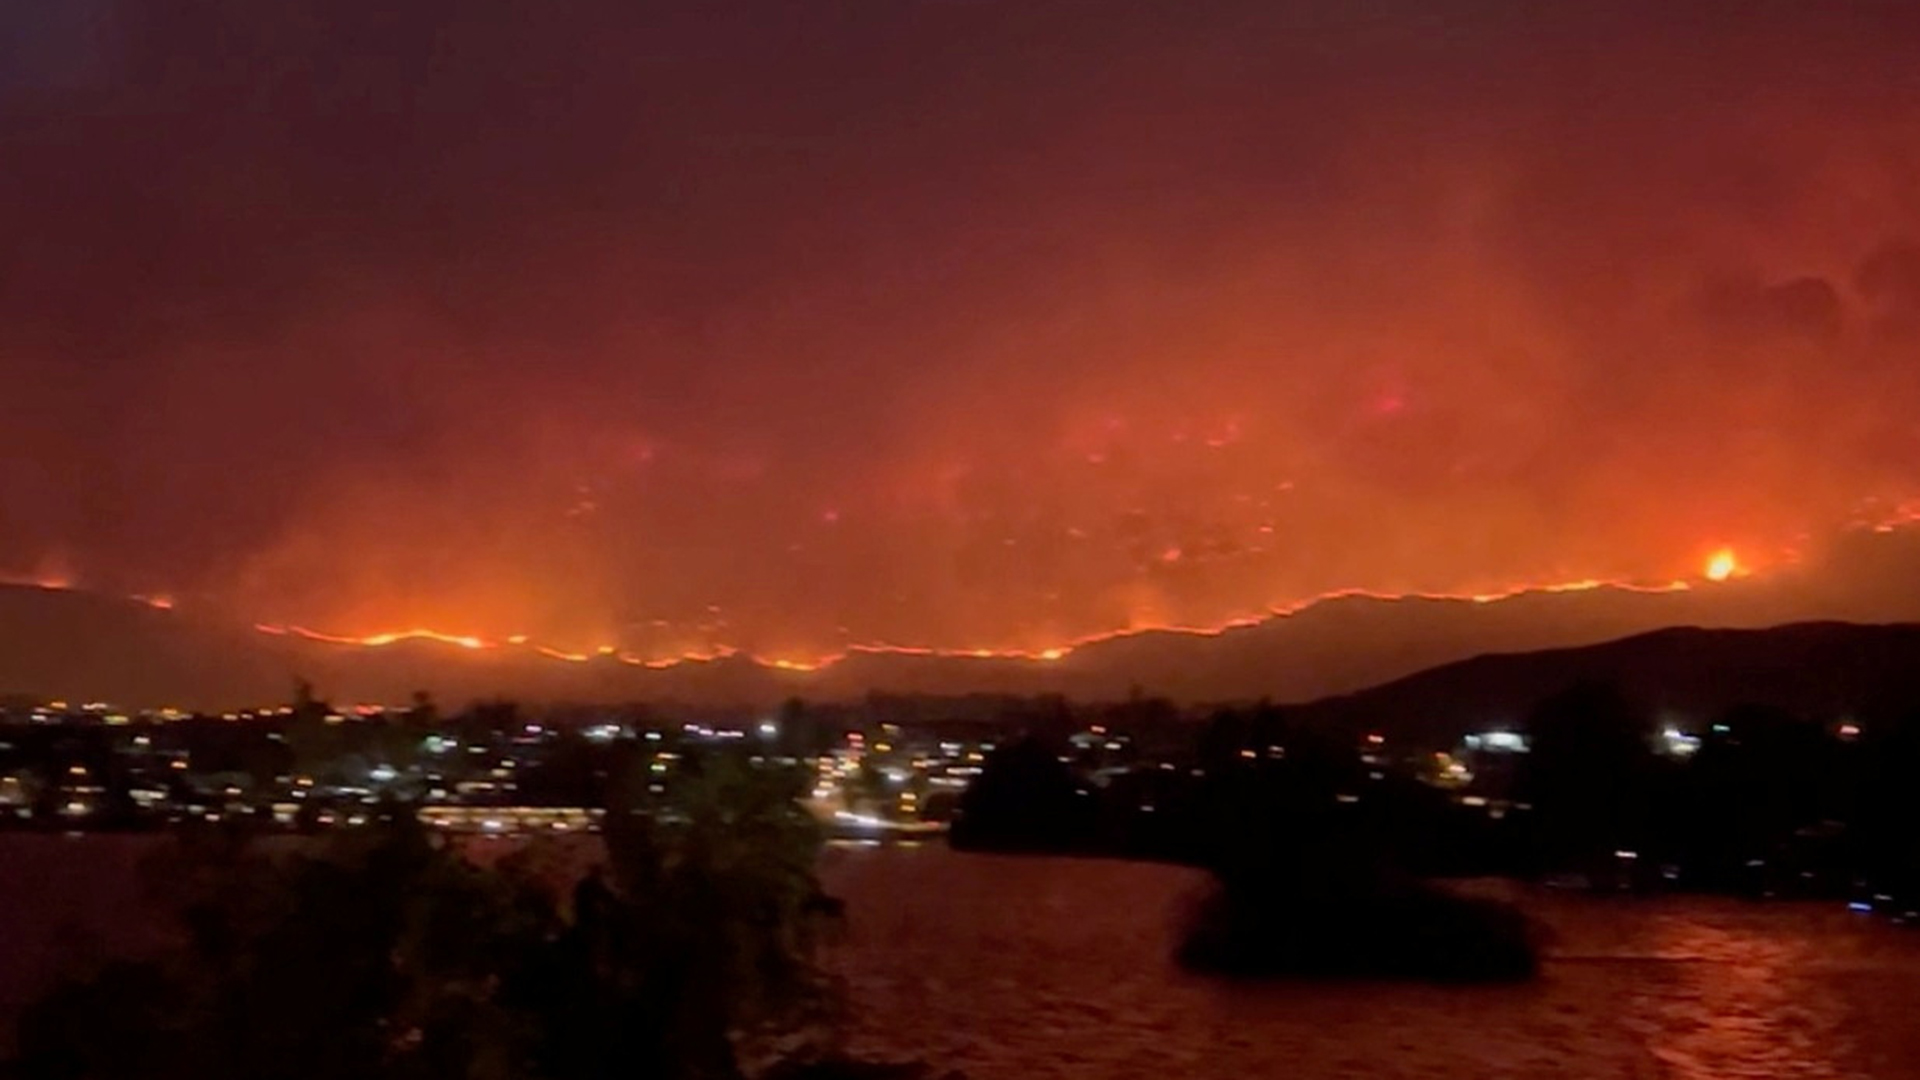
[1047, 655]
[1721, 566]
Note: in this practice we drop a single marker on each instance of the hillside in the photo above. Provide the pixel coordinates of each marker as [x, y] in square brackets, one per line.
[78, 645]
[1685, 676]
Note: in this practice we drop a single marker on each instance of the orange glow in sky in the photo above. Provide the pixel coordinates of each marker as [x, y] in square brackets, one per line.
[988, 328]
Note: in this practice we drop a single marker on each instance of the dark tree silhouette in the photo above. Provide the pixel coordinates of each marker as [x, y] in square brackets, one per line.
[1752, 785]
[802, 731]
[1887, 824]
[386, 954]
[422, 715]
[1306, 881]
[1587, 774]
[1024, 799]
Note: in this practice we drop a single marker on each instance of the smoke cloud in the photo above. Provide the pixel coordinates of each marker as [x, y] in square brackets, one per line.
[969, 324]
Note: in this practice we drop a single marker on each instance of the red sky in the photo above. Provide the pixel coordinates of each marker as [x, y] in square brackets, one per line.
[959, 323]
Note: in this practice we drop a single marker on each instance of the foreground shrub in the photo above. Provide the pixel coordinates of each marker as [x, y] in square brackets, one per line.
[385, 954]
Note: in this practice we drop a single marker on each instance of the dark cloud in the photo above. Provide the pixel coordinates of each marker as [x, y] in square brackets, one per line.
[1808, 308]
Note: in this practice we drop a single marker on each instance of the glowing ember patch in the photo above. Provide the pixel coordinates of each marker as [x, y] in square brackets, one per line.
[1722, 565]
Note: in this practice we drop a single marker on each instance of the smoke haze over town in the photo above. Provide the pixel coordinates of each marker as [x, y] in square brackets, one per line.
[786, 328]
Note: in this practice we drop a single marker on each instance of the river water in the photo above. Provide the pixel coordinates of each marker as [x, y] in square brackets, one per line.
[1011, 968]
[1020, 969]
